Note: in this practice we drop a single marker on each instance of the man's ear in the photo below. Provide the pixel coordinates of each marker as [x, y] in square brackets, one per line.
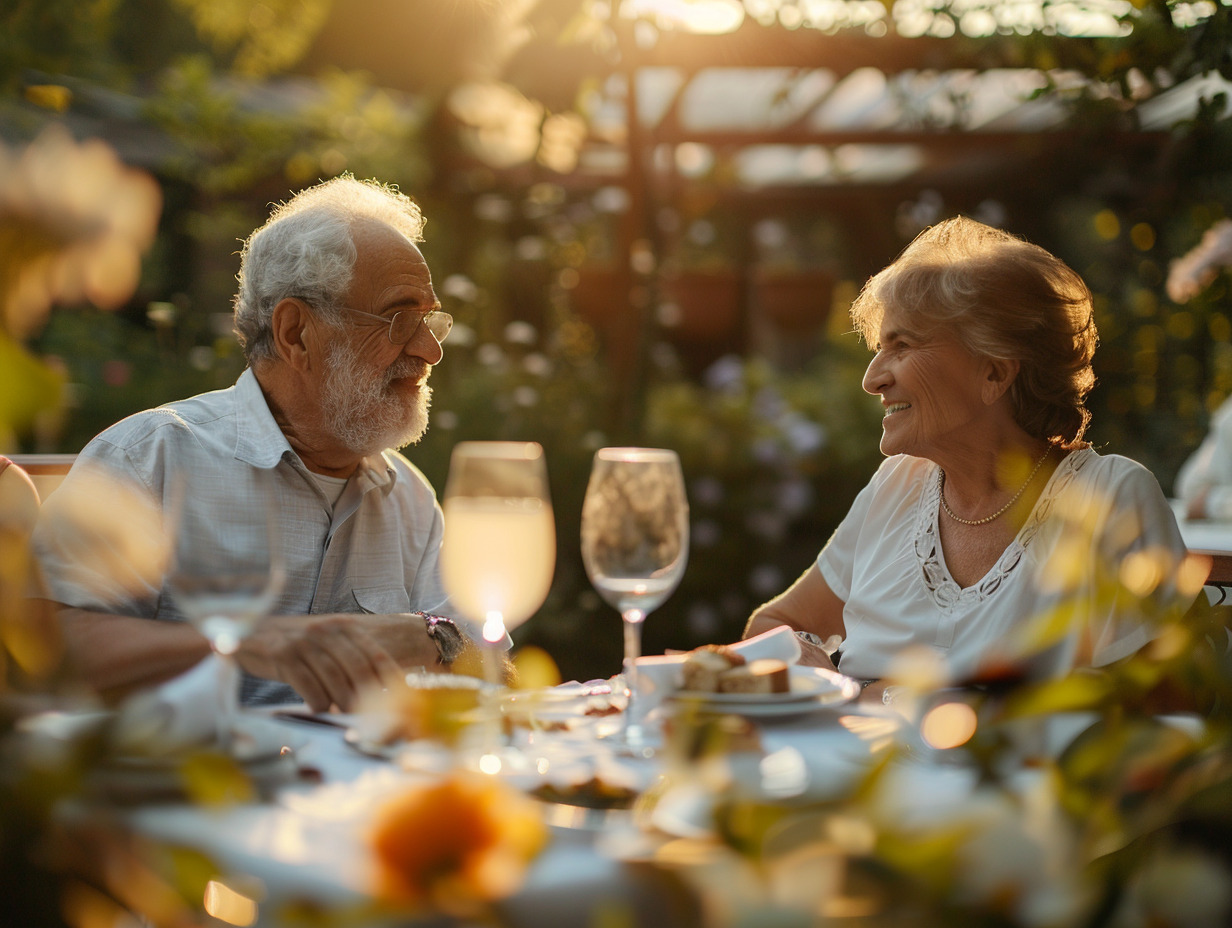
[998, 376]
[294, 337]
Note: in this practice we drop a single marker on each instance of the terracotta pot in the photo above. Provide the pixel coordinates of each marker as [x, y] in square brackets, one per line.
[709, 304]
[598, 297]
[797, 301]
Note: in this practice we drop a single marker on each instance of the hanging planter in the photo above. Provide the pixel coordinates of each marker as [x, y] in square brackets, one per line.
[795, 301]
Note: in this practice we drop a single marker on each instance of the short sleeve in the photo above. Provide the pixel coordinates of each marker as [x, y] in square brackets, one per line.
[1140, 521]
[98, 541]
[837, 559]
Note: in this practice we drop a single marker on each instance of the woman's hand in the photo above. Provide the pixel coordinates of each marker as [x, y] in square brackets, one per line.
[812, 655]
[808, 605]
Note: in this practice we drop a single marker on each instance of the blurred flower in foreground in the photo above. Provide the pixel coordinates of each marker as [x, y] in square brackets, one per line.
[119, 560]
[455, 845]
[1192, 273]
[74, 221]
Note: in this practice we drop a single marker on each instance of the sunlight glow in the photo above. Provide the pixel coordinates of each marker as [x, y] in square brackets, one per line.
[1192, 574]
[948, 725]
[1143, 571]
[710, 17]
[227, 905]
[494, 627]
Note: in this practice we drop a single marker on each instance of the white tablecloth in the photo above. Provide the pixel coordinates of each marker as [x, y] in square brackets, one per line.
[308, 842]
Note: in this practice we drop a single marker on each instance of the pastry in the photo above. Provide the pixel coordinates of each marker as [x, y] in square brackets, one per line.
[702, 667]
[761, 676]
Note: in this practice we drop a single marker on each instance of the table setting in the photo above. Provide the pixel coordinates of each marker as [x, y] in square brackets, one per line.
[722, 786]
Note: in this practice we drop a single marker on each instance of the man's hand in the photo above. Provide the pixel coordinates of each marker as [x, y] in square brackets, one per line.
[331, 659]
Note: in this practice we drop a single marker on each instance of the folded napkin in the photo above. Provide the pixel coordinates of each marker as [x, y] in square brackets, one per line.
[660, 675]
[179, 714]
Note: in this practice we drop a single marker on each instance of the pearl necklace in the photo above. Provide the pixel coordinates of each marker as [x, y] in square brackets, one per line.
[1000, 512]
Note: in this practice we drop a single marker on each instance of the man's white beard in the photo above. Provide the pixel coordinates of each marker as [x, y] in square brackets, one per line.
[363, 412]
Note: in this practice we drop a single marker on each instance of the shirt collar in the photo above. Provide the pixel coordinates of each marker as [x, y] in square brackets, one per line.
[258, 439]
[260, 442]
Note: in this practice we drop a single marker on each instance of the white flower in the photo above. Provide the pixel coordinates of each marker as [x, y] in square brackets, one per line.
[520, 333]
[74, 221]
[726, 374]
[526, 396]
[1192, 273]
[460, 287]
[804, 435]
[794, 496]
[537, 365]
[490, 355]
[766, 580]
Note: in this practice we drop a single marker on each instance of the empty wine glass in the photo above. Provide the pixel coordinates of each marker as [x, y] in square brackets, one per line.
[499, 550]
[635, 544]
[225, 574]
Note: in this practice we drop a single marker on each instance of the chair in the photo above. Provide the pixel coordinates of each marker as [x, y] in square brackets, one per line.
[46, 470]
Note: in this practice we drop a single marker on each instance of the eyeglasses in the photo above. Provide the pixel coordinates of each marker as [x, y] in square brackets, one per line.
[404, 325]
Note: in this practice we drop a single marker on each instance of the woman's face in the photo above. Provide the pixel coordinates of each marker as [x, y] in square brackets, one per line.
[931, 388]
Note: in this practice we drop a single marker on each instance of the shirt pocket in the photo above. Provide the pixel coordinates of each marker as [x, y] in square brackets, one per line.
[383, 600]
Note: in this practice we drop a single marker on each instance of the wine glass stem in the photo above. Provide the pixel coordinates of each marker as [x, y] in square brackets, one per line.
[228, 700]
[633, 619]
[493, 652]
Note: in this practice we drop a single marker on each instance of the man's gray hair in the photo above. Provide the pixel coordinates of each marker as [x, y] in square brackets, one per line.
[306, 249]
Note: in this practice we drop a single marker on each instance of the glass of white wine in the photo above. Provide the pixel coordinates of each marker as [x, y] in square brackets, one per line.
[499, 551]
[225, 573]
[635, 545]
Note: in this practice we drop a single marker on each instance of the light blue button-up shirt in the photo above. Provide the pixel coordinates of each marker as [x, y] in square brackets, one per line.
[377, 550]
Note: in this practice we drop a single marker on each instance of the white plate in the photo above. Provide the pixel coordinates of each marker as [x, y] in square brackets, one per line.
[811, 688]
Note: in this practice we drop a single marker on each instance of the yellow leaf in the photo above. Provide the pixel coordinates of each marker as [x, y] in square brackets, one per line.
[28, 387]
[49, 96]
[535, 668]
[214, 779]
[1073, 693]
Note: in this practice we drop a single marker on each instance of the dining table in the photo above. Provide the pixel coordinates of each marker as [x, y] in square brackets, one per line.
[302, 842]
[665, 841]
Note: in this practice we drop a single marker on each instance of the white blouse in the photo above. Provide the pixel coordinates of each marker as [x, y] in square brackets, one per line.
[885, 562]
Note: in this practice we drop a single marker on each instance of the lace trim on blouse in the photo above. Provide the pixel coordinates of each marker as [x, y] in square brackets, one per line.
[945, 592]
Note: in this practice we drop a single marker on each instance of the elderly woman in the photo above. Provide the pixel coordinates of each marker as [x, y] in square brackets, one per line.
[990, 511]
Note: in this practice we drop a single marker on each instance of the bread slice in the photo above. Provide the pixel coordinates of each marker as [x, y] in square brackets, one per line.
[702, 667]
[761, 676]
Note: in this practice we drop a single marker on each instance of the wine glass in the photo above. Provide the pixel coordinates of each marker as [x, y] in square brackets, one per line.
[499, 550]
[224, 574]
[635, 544]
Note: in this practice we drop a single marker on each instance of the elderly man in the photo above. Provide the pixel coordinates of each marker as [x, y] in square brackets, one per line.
[341, 328]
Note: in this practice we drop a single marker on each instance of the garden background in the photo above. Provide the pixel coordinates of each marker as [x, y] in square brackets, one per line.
[589, 168]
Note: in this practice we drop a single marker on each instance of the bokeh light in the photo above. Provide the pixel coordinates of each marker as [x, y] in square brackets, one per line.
[948, 725]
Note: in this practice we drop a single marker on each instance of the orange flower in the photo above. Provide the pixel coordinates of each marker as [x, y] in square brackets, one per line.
[455, 845]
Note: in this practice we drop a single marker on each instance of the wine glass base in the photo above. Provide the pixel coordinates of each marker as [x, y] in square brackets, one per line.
[629, 741]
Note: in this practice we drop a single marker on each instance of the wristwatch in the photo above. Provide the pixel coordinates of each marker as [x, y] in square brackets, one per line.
[445, 634]
[809, 637]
